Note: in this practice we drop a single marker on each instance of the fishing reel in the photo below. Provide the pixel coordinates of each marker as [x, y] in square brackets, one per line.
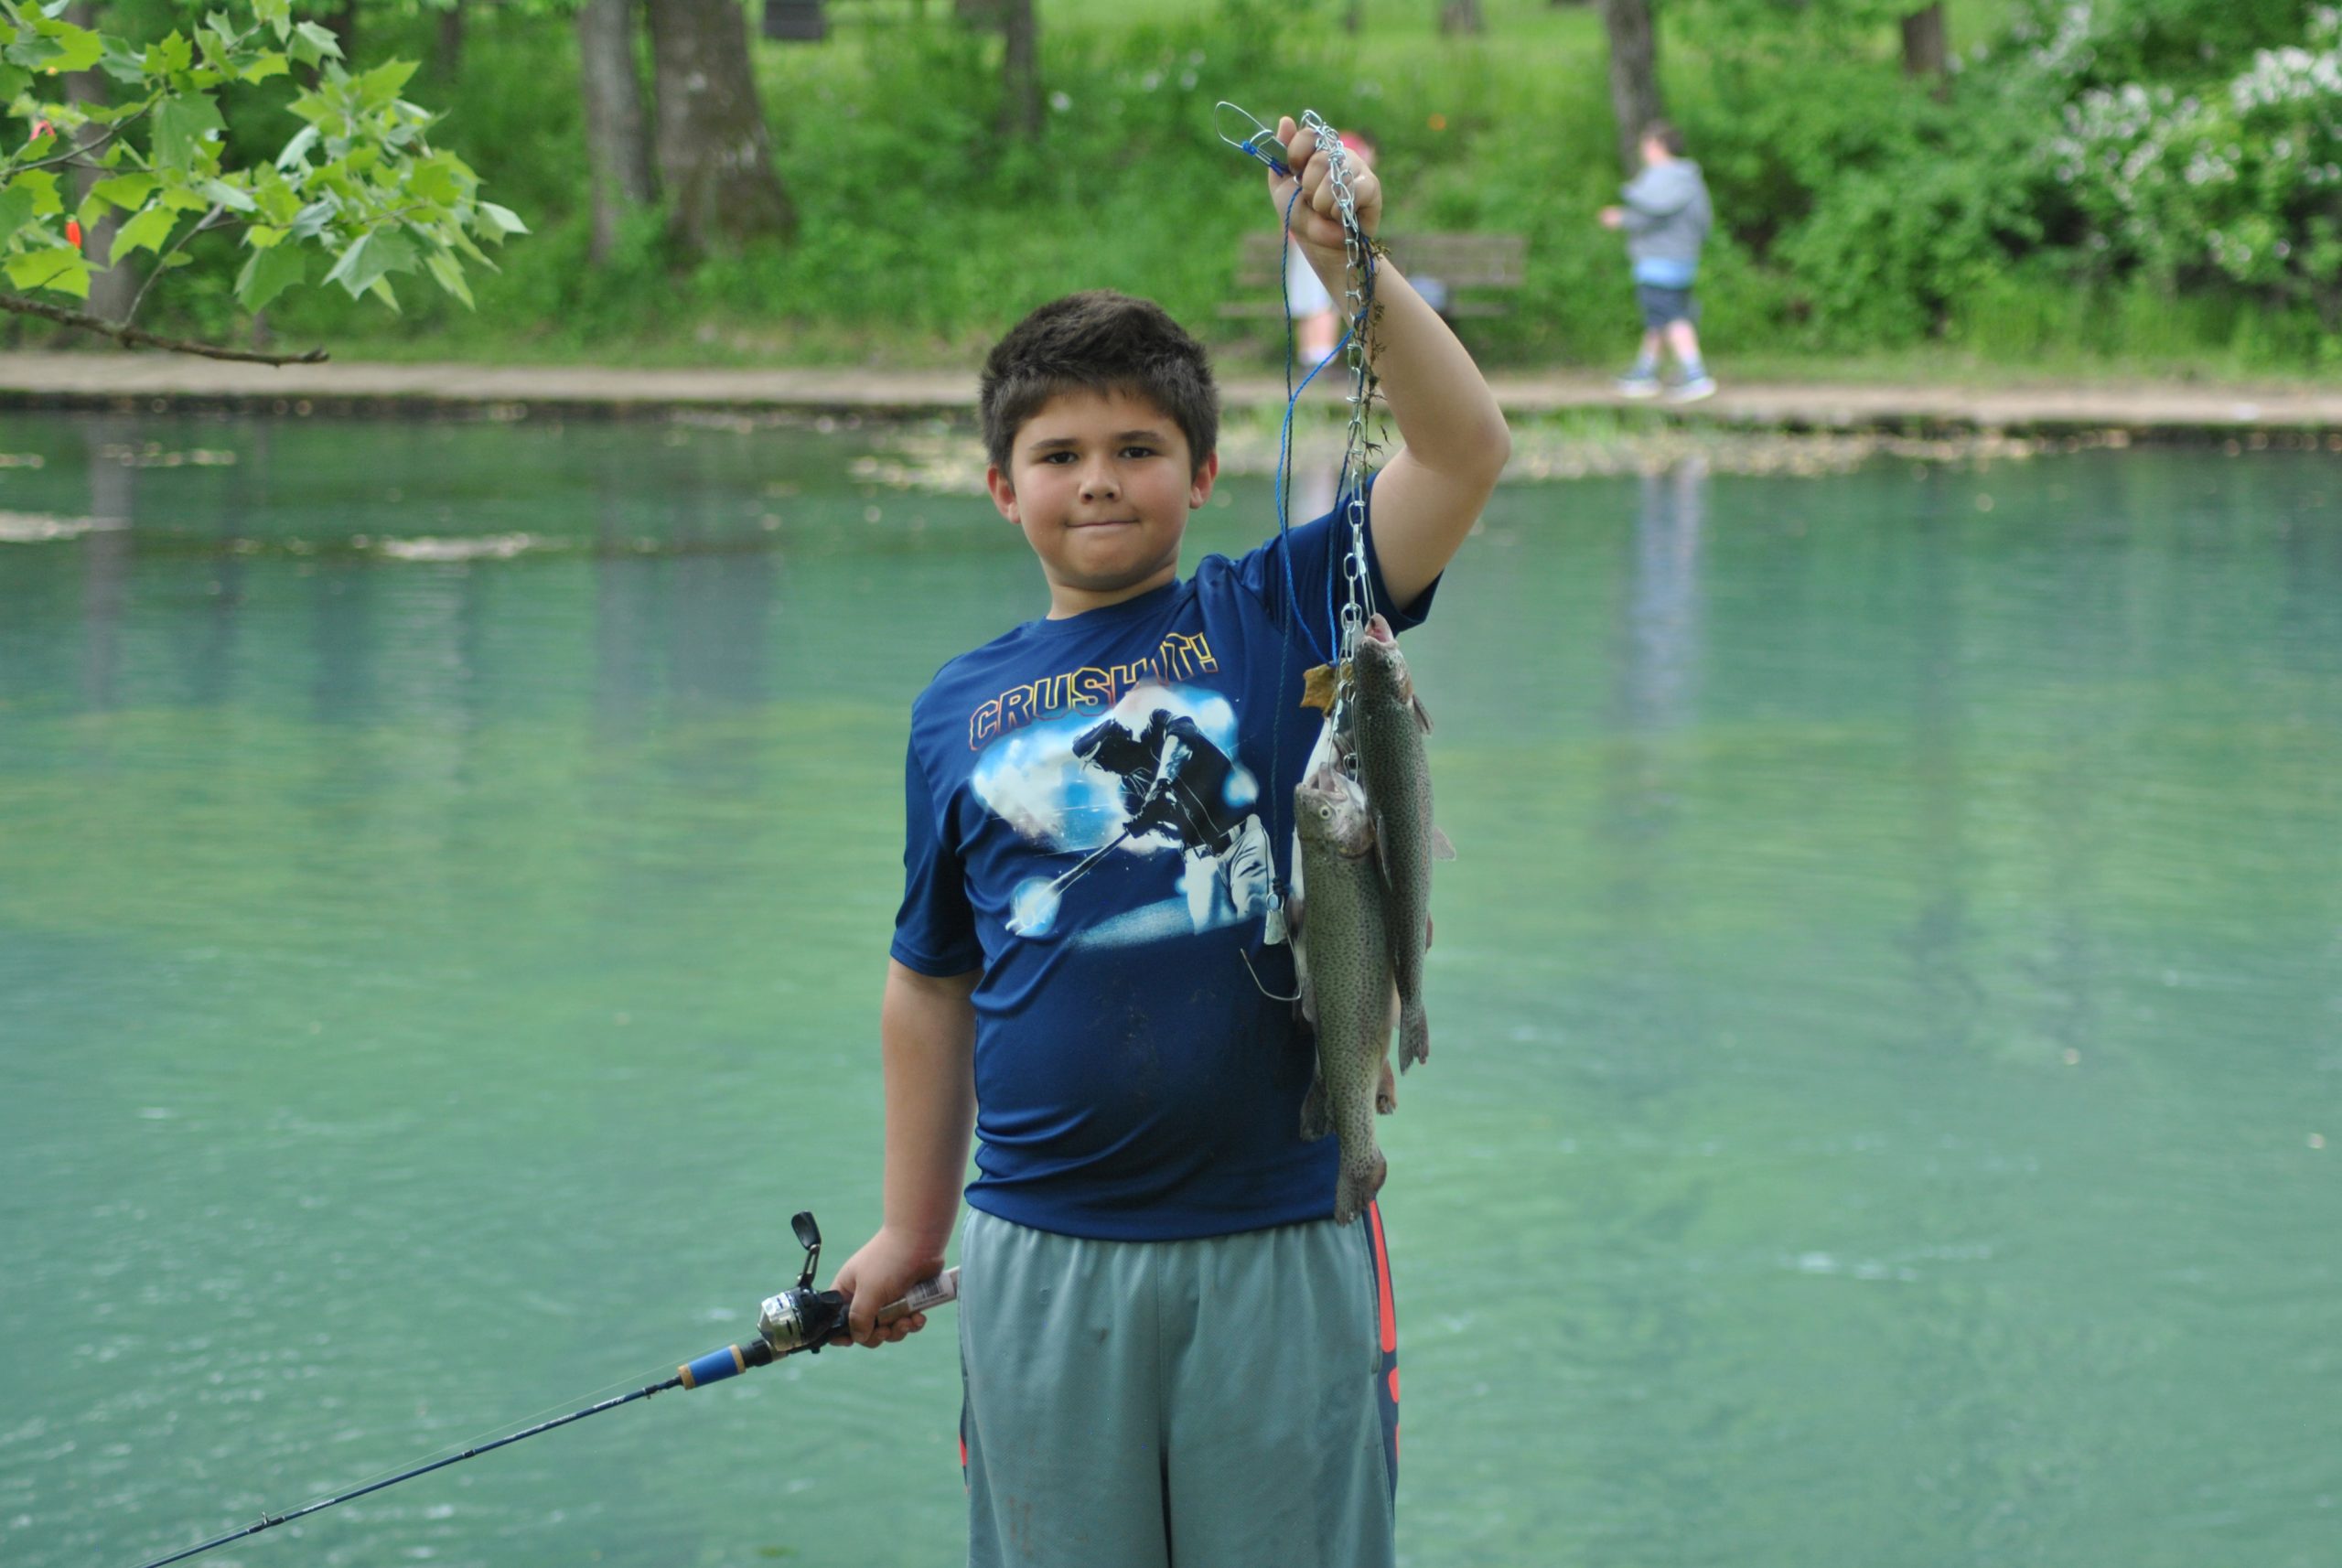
[803, 1318]
[798, 1318]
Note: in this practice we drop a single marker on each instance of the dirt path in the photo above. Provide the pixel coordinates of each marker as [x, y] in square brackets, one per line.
[118, 380]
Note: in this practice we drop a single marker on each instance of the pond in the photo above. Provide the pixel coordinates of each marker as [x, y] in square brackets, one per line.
[1889, 999]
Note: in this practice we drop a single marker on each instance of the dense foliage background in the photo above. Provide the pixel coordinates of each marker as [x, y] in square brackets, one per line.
[2117, 183]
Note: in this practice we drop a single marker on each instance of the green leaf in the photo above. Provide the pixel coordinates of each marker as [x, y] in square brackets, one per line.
[16, 211]
[298, 149]
[379, 88]
[382, 291]
[270, 64]
[62, 269]
[442, 178]
[263, 237]
[311, 43]
[128, 68]
[363, 265]
[174, 53]
[268, 272]
[12, 80]
[218, 43]
[43, 184]
[77, 49]
[127, 191]
[147, 231]
[220, 193]
[450, 274]
[501, 221]
[180, 124]
[276, 13]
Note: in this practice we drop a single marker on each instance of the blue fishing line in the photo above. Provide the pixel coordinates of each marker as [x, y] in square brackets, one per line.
[1282, 480]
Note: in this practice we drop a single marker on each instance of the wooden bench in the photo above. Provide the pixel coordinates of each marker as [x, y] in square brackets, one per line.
[1464, 263]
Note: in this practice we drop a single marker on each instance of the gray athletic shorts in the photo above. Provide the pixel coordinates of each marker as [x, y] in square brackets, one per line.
[1210, 1404]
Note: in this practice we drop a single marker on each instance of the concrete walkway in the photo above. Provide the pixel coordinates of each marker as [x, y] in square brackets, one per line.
[115, 380]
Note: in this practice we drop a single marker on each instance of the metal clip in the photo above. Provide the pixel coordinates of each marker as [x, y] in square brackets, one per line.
[1251, 146]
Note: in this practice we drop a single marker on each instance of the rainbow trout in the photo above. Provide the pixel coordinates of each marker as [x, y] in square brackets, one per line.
[1340, 931]
[1391, 724]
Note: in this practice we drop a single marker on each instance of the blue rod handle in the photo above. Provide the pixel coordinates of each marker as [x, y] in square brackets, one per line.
[717, 1364]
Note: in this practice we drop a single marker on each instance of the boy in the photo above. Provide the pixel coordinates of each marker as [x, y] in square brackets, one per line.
[1666, 219]
[1169, 1352]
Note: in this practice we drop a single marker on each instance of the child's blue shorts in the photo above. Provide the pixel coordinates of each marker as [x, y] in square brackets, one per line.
[1663, 307]
[1233, 1400]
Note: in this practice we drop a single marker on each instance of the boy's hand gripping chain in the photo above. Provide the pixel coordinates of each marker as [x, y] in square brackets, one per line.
[798, 1318]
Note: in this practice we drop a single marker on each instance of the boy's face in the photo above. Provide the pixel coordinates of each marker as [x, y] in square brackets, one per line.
[1101, 484]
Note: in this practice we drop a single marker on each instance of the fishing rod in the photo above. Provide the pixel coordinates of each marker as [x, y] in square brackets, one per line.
[798, 1318]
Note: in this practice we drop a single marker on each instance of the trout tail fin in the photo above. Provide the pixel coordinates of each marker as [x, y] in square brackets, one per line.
[1357, 1189]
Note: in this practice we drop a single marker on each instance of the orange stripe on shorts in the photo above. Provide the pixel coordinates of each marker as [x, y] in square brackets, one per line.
[1389, 1314]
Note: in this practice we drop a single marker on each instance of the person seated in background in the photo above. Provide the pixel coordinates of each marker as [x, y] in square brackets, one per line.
[1666, 215]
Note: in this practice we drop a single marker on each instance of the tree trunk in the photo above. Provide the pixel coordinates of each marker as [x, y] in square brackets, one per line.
[111, 288]
[715, 154]
[1459, 17]
[343, 25]
[618, 153]
[447, 52]
[1634, 74]
[1927, 46]
[1020, 109]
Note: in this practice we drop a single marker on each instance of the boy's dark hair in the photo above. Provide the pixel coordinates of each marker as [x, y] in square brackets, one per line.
[1664, 133]
[1097, 341]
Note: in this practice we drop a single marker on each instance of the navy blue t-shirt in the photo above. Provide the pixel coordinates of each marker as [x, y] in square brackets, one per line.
[1095, 810]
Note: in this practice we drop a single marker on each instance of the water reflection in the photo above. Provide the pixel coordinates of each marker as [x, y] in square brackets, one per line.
[1940, 933]
[113, 504]
[1660, 648]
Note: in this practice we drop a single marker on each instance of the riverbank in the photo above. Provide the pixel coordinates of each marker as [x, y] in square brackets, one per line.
[161, 382]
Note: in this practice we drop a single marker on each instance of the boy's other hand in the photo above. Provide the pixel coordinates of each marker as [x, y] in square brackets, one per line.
[884, 1271]
[1317, 223]
[1612, 217]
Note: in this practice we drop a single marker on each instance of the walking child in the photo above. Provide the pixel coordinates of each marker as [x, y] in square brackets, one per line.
[1171, 1355]
[1666, 216]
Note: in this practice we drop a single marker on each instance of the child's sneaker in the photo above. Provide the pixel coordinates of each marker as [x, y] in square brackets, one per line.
[1638, 383]
[1693, 391]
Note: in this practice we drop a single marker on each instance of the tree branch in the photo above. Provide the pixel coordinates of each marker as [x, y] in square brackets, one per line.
[131, 336]
[76, 153]
[162, 266]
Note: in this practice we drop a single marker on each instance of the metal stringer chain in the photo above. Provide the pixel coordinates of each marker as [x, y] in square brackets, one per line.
[1357, 446]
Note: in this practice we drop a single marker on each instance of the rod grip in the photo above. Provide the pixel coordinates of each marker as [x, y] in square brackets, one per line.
[923, 1296]
[728, 1362]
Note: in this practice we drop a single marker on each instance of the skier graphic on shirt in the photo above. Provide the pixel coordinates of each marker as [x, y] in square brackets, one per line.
[1175, 784]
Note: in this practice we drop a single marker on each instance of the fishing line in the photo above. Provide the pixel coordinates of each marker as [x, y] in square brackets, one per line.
[589, 1396]
[798, 1319]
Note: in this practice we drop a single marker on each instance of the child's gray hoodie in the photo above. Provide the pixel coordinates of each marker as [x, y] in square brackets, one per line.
[1666, 213]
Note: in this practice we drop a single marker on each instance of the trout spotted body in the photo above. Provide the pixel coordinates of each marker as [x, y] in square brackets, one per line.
[1350, 978]
[1397, 778]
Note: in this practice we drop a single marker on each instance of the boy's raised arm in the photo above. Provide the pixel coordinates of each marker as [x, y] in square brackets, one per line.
[926, 1034]
[1431, 493]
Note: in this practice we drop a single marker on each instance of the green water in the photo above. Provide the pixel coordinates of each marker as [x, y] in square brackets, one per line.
[1888, 1088]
